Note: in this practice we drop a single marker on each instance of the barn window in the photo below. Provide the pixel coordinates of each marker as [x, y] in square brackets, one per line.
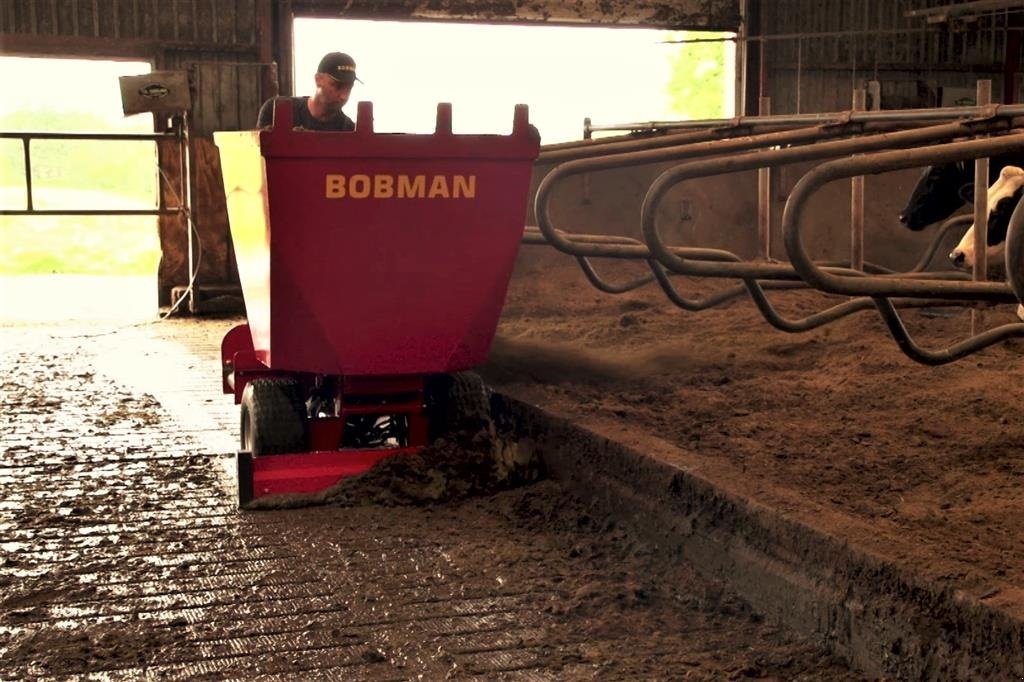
[75, 95]
[565, 74]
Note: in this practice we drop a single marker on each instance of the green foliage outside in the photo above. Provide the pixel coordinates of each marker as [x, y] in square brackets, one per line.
[71, 174]
[698, 72]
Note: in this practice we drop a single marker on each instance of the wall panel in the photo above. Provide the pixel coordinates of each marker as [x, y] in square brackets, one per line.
[681, 14]
[817, 51]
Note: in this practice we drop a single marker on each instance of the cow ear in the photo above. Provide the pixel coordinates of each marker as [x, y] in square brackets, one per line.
[1011, 172]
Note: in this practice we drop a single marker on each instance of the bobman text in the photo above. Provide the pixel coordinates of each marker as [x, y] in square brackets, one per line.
[383, 186]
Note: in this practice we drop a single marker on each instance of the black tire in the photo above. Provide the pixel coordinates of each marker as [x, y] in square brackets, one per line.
[457, 402]
[273, 417]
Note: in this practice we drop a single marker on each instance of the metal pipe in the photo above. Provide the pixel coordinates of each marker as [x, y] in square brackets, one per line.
[616, 145]
[186, 201]
[941, 357]
[1014, 255]
[694, 150]
[764, 197]
[28, 172]
[26, 139]
[887, 116]
[128, 137]
[857, 201]
[980, 274]
[719, 166]
[876, 163]
[154, 211]
[945, 228]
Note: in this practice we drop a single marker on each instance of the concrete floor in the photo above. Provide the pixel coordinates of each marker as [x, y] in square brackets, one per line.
[124, 556]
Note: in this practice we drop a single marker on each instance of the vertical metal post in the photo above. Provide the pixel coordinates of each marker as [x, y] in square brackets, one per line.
[764, 197]
[186, 200]
[587, 135]
[984, 97]
[28, 173]
[857, 200]
[742, 35]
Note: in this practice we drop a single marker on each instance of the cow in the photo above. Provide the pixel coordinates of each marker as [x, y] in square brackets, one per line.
[943, 189]
[1003, 196]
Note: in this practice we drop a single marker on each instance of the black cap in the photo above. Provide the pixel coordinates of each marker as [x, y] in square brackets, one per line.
[338, 66]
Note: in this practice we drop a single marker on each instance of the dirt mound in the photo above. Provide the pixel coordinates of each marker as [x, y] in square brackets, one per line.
[834, 425]
[466, 464]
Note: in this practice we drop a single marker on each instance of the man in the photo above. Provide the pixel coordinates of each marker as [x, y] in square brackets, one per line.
[334, 79]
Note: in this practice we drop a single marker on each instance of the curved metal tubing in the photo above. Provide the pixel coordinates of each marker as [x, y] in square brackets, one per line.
[941, 357]
[875, 163]
[572, 151]
[601, 285]
[717, 298]
[944, 229]
[676, 262]
[754, 288]
[624, 247]
[802, 136]
[1015, 252]
[931, 114]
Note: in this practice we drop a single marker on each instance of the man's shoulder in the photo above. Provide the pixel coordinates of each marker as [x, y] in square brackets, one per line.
[266, 115]
[347, 124]
[272, 102]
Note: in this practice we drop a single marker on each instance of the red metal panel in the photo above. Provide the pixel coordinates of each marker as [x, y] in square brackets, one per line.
[311, 472]
[376, 254]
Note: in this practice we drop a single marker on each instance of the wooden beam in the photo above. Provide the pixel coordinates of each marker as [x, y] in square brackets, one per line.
[284, 46]
[100, 47]
[265, 30]
[79, 46]
[697, 15]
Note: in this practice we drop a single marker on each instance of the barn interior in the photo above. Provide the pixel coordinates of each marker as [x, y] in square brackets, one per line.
[740, 421]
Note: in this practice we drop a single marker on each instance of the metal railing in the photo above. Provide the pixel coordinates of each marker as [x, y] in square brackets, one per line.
[722, 150]
[162, 209]
[887, 116]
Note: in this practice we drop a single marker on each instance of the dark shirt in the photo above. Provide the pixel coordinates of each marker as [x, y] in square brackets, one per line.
[301, 118]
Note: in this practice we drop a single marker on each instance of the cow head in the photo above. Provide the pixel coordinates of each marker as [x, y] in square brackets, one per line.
[939, 192]
[1003, 197]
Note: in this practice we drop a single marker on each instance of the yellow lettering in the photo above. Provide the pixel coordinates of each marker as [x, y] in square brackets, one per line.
[335, 186]
[383, 186]
[413, 189]
[359, 186]
[438, 187]
[465, 186]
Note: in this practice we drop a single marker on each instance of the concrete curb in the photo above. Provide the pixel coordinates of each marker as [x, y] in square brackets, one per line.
[884, 620]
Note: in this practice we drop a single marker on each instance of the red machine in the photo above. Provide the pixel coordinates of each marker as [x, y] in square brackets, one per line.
[369, 262]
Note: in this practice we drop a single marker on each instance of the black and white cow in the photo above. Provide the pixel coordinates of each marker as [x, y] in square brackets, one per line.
[1003, 196]
[943, 189]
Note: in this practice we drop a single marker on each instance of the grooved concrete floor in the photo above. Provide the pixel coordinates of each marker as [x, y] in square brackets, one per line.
[123, 555]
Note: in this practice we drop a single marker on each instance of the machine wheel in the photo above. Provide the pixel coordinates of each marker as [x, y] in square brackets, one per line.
[273, 417]
[457, 402]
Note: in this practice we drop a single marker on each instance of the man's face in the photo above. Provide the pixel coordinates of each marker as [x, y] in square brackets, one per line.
[333, 93]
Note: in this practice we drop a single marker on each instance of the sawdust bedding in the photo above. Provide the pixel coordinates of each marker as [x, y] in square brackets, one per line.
[836, 426]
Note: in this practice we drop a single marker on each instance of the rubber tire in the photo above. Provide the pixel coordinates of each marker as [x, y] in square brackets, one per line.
[273, 417]
[456, 402]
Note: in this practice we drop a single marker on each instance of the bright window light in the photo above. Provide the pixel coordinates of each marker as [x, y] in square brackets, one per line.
[564, 74]
[75, 95]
